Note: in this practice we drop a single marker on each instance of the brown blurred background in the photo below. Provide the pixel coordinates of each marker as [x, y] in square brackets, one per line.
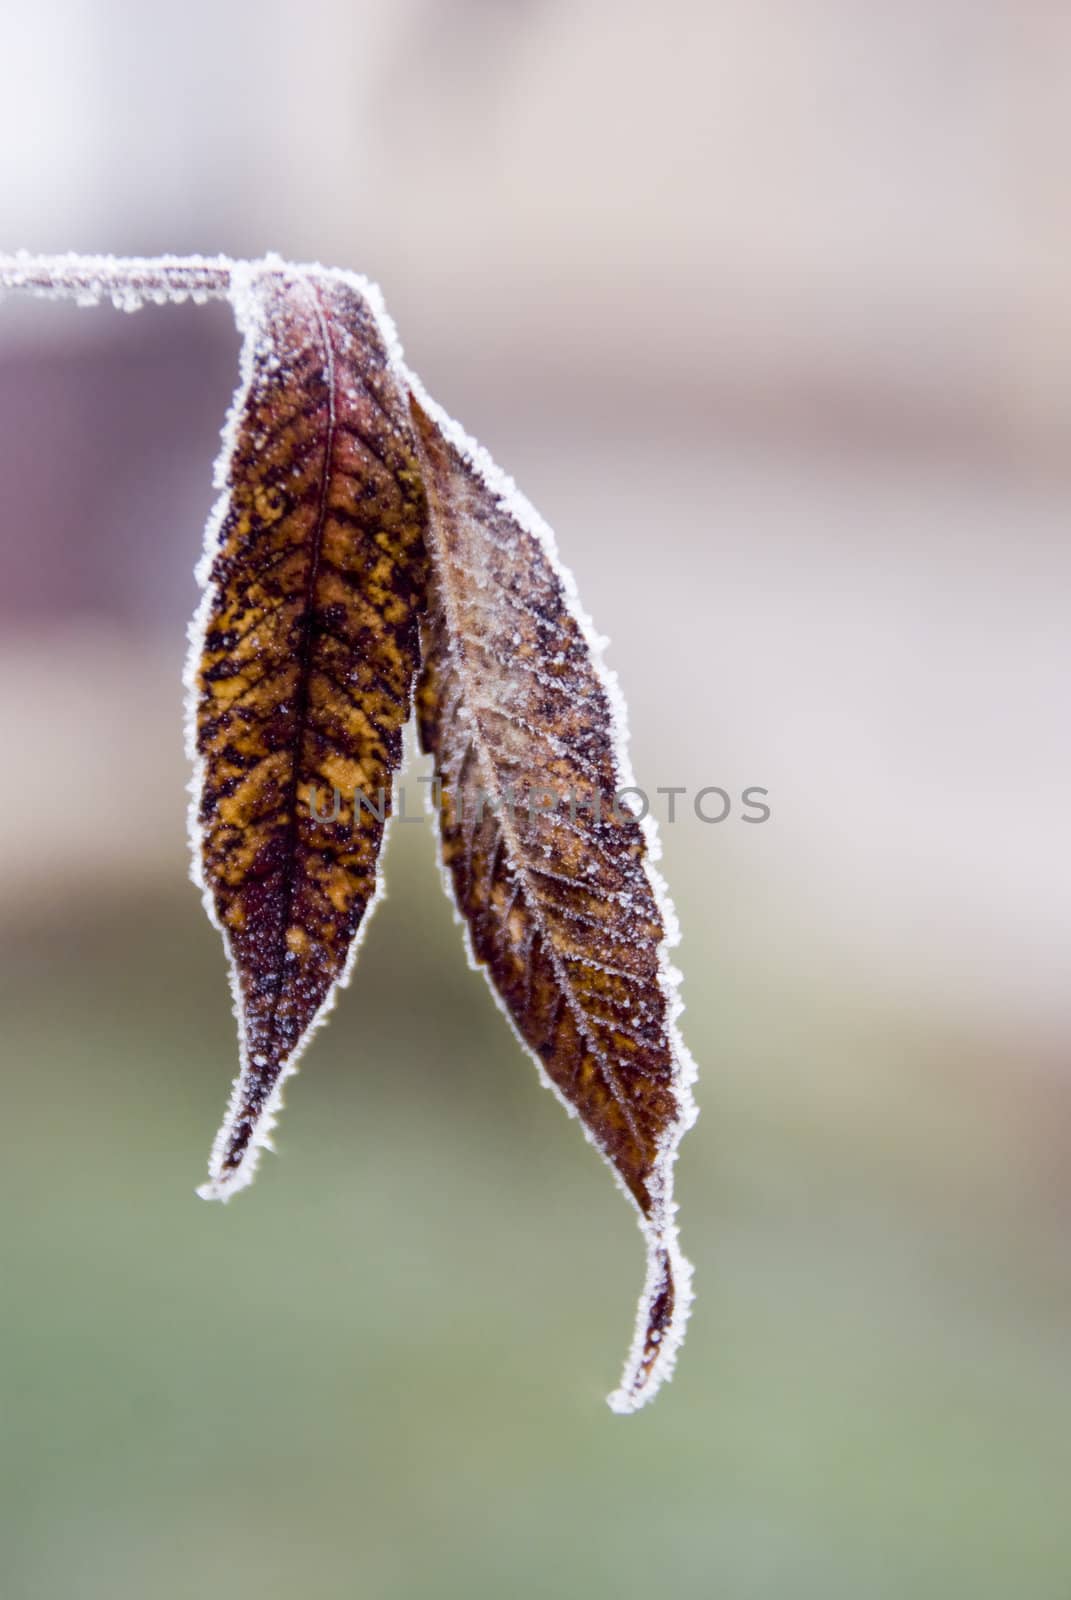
[768, 310]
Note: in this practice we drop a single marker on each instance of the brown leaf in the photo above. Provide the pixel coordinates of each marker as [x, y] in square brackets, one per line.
[321, 564]
[303, 659]
[552, 878]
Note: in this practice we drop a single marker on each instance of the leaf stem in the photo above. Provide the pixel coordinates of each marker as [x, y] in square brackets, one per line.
[127, 280]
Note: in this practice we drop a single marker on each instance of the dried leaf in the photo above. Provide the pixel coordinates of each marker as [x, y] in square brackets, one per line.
[552, 878]
[304, 653]
[321, 561]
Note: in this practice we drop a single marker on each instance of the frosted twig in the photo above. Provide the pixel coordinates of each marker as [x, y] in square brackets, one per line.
[127, 280]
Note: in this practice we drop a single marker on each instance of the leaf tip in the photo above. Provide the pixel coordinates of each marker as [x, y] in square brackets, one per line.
[663, 1312]
[224, 1183]
[236, 1152]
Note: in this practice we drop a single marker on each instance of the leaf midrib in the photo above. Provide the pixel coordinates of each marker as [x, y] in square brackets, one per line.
[304, 665]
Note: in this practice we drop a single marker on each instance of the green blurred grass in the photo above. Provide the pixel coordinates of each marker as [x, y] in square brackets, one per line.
[381, 1372]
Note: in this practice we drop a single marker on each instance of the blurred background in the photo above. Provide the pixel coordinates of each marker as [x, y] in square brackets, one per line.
[768, 309]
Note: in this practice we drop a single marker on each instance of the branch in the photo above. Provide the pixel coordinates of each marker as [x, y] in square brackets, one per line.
[127, 281]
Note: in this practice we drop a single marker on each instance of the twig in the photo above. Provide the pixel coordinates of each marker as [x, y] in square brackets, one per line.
[128, 281]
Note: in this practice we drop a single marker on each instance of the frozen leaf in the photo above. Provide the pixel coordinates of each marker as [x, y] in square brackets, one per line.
[303, 658]
[551, 875]
[359, 533]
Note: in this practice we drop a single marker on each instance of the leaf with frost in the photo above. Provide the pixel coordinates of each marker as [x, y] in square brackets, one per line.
[360, 536]
[301, 670]
[552, 876]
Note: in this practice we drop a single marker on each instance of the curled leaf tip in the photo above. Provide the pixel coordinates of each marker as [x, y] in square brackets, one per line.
[663, 1312]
